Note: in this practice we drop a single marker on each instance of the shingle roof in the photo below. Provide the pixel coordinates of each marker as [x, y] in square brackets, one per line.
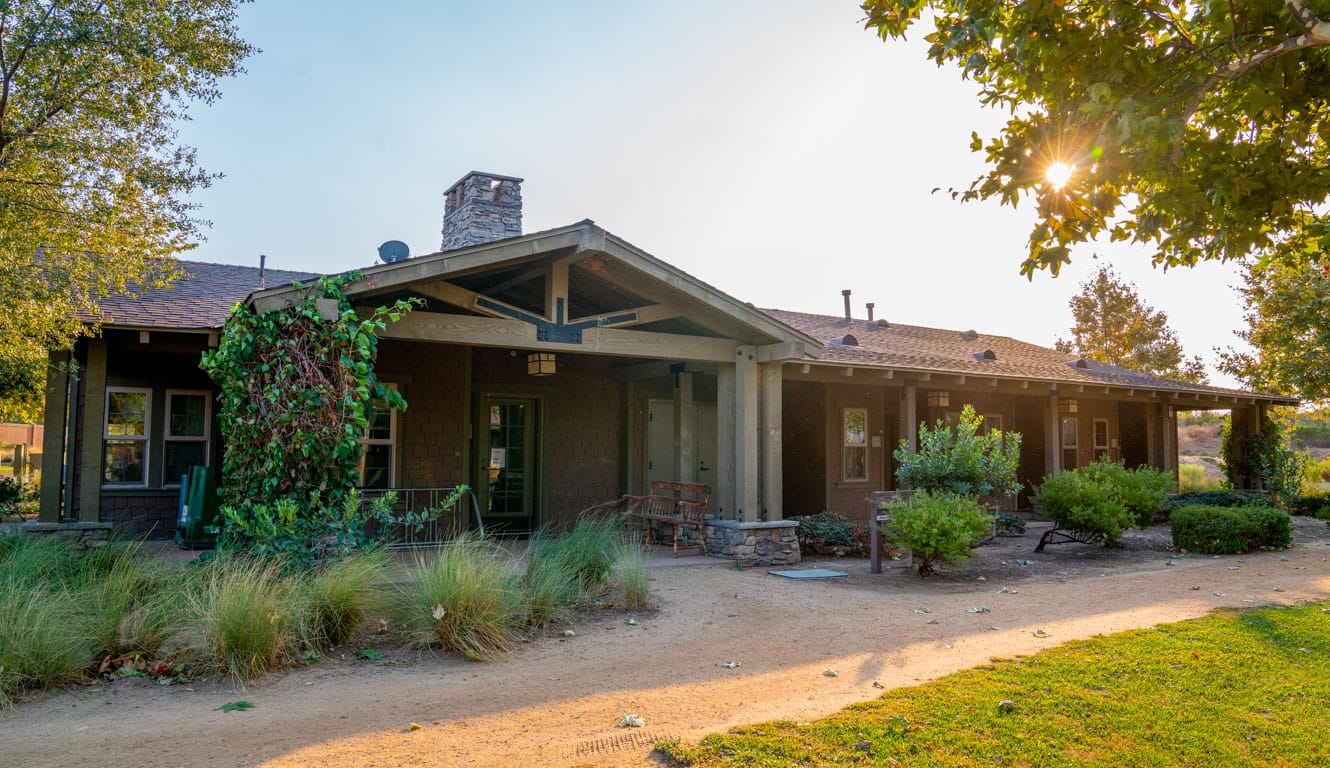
[913, 347]
[202, 299]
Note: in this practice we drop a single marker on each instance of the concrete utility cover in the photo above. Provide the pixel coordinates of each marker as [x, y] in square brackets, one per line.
[809, 573]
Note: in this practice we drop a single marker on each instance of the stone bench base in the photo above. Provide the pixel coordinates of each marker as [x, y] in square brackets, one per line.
[83, 534]
[762, 543]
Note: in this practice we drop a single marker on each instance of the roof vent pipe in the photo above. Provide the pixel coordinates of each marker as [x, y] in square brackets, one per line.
[870, 312]
[846, 293]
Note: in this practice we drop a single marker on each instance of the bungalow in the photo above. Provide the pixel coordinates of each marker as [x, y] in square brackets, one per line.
[555, 370]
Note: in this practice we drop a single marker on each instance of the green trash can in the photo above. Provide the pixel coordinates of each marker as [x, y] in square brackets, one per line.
[197, 524]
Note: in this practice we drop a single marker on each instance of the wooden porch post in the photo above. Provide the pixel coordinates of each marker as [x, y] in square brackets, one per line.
[53, 439]
[685, 429]
[90, 453]
[747, 498]
[725, 432]
[773, 488]
[909, 413]
[1052, 436]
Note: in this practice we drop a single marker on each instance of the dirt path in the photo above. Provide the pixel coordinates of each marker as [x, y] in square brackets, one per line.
[555, 702]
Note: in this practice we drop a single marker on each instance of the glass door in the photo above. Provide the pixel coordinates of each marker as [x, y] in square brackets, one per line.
[506, 478]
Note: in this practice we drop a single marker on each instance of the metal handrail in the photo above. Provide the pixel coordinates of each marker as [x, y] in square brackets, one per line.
[435, 531]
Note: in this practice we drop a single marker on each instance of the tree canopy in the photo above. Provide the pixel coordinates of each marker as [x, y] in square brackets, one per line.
[93, 183]
[1197, 128]
[1113, 325]
[1288, 319]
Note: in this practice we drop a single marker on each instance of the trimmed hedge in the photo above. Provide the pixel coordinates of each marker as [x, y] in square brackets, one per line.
[1222, 498]
[828, 533]
[1216, 530]
[1317, 506]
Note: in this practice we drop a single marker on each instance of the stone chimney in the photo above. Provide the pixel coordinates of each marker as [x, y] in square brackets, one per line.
[481, 208]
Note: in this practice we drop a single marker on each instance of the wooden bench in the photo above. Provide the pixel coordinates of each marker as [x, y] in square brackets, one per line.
[678, 505]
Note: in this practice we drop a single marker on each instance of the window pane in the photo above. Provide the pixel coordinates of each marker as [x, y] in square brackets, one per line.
[380, 424]
[856, 426]
[188, 417]
[1101, 434]
[1069, 433]
[376, 466]
[124, 461]
[179, 456]
[126, 413]
[856, 464]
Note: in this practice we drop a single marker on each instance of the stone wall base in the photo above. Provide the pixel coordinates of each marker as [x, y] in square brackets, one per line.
[82, 534]
[762, 543]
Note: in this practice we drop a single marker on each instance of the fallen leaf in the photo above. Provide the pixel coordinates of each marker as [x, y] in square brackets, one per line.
[630, 720]
[235, 706]
[1040, 633]
[1006, 705]
[414, 726]
[369, 654]
[630, 621]
[829, 672]
[568, 633]
[980, 609]
[731, 665]
[876, 684]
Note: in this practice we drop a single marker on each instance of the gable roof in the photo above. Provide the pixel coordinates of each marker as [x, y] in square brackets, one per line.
[919, 349]
[706, 301]
[200, 300]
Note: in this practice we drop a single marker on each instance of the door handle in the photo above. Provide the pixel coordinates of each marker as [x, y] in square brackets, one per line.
[702, 467]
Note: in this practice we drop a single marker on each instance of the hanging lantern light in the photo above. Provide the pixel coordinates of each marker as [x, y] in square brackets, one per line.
[541, 364]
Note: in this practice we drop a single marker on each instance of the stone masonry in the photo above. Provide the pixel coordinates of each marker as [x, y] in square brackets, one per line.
[481, 208]
[775, 542]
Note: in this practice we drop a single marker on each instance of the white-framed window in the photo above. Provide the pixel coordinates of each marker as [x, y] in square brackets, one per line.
[1070, 442]
[378, 455]
[125, 436]
[854, 444]
[185, 440]
[1101, 444]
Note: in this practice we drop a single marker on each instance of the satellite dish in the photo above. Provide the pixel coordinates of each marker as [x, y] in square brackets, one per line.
[393, 251]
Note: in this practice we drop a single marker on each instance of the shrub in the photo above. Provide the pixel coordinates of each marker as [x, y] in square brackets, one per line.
[466, 599]
[1008, 524]
[831, 533]
[937, 527]
[1230, 530]
[1142, 490]
[1313, 505]
[240, 610]
[1226, 497]
[335, 599]
[960, 460]
[16, 497]
[1192, 477]
[1078, 501]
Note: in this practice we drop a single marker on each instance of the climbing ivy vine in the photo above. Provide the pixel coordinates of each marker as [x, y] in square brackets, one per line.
[296, 387]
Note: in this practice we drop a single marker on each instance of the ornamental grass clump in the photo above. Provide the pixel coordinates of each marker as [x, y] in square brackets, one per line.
[466, 598]
[241, 610]
[40, 645]
[631, 576]
[938, 528]
[337, 597]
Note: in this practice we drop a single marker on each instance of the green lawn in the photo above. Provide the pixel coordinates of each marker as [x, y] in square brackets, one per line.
[1230, 689]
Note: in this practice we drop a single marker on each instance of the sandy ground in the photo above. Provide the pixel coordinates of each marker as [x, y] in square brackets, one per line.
[555, 701]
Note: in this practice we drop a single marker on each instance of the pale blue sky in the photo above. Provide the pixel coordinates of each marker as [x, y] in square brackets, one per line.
[772, 148]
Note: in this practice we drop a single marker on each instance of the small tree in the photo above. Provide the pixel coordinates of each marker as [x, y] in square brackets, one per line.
[960, 460]
[937, 527]
[1267, 458]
